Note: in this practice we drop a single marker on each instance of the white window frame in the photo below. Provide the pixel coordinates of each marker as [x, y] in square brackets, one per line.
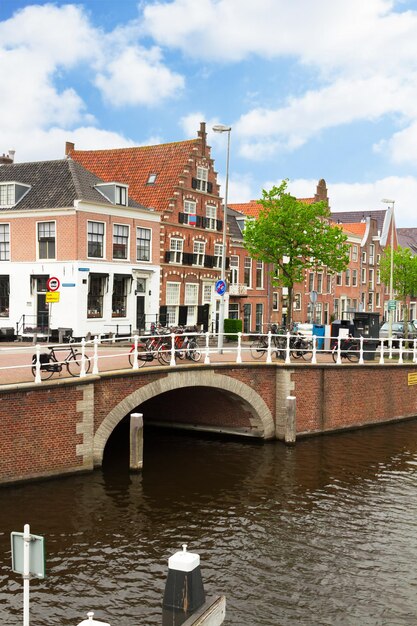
[354, 253]
[138, 231]
[190, 207]
[297, 302]
[320, 282]
[211, 216]
[354, 278]
[259, 271]
[247, 265]
[202, 178]
[218, 252]
[275, 301]
[363, 276]
[176, 248]
[5, 241]
[103, 235]
[199, 250]
[234, 269]
[122, 228]
[120, 195]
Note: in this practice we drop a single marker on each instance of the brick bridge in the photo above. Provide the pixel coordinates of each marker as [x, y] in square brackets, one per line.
[63, 426]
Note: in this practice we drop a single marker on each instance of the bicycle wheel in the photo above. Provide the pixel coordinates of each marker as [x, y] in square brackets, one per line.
[352, 354]
[258, 348]
[307, 351]
[164, 354]
[334, 354]
[143, 355]
[280, 347]
[74, 364]
[194, 351]
[46, 371]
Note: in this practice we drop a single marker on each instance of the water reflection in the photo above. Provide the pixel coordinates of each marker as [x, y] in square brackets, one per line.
[322, 533]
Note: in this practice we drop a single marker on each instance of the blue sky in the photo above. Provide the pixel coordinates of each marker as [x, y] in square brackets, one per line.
[324, 89]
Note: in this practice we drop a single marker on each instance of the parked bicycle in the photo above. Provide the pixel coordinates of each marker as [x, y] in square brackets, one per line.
[148, 347]
[349, 349]
[50, 364]
[185, 346]
[260, 345]
[300, 346]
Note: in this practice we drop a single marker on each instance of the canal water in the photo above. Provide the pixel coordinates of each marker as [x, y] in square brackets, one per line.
[324, 533]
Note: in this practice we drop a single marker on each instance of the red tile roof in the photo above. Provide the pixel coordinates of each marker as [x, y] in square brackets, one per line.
[357, 228]
[251, 208]
[133, 166]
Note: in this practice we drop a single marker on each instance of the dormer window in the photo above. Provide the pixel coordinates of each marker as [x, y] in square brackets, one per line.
[151, 179]
[11, 193]
[114, 192]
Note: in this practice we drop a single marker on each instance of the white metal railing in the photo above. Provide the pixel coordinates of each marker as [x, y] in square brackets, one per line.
[25, 363]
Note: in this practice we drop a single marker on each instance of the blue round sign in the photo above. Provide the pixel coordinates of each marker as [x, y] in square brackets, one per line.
[221, 287]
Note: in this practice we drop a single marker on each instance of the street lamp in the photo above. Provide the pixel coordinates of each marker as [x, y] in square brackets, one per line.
[391, 275]
[221, 128]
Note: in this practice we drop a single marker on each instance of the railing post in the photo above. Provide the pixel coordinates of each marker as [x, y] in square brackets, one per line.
[361, 350]
[239, 348]
[314, 357]
[38, 378]
[207, 355]
[95, 357]
[172, 362]
[268, 352]
[287, 349]
[414, 350]
[82, 370]
[135, 365]
[381, 355]
[339, 357]
[400, 356]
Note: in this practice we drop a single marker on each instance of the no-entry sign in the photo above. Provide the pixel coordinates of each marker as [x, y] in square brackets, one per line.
[52, 283]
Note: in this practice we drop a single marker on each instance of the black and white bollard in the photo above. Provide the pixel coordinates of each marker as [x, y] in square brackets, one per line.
[184, 591]
[92, 622]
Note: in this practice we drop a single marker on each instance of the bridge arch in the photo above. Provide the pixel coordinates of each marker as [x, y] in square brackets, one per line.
[262, 417]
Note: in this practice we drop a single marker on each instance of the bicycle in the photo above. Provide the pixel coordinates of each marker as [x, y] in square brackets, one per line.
[259, 346]
[148, 348]
[349, 349]
[184, 347]
[49, 364]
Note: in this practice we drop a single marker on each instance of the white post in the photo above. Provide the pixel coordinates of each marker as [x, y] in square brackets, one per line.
[239, 348]
[95, 357]
[38, 378]
[339, 358]
[172, 361]
[135, 365]
[381, 356]
[207, 355]
[287, 350]
[361, 350]
[415, 351]
[314, 357]
[268, 353]
[26, 573]
[82, 370]
[136, 441]
[400, 356]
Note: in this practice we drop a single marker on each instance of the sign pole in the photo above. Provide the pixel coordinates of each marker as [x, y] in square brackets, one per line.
[26, 573]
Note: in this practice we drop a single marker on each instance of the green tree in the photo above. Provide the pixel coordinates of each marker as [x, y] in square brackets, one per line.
[294, 236]
[404, 276]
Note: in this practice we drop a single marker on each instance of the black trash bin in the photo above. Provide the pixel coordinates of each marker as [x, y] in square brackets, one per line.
[340, 327]
[366, 325]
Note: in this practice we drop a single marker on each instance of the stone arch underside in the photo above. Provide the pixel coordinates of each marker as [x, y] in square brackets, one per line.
[261, 414]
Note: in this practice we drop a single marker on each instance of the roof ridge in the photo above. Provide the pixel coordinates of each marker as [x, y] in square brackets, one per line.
[147, 147]
[72, 165]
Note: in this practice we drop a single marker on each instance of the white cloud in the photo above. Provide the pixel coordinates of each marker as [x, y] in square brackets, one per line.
[402, 146]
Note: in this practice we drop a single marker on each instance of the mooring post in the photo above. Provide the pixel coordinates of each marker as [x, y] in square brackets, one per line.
[290, 423]
[92, 622]
[136, 442]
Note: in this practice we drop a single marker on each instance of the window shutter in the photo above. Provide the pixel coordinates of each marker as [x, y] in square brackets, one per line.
[227, 263]
[168, 256]
[219, 224]
[182, 315]
[181, 217]
[194, 183]
[163, 311]
[198, 220]
[209, 187]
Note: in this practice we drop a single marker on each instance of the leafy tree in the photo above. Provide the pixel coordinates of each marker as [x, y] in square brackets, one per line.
[294, 236]
[404, 276]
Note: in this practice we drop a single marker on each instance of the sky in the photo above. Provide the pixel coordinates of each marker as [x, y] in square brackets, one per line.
[312, 89]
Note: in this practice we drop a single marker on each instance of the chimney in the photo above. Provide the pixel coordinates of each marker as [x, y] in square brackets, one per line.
[69, 147]
[203, 136]
[7, 159]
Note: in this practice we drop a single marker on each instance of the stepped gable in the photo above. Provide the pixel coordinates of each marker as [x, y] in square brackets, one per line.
[134, 166]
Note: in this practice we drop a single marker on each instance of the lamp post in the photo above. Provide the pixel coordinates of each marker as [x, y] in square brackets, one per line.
[221, 128]
[391, 276]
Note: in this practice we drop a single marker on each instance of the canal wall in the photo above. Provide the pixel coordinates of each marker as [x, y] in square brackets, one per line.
[63, 426]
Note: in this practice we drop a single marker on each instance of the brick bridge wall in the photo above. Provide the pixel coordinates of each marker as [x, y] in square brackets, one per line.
[63, 426]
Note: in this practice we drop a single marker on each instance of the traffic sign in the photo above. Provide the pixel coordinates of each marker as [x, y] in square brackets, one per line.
[392, 305]
[221, 287]
[53, 284]
[36, 554]
[52, 296]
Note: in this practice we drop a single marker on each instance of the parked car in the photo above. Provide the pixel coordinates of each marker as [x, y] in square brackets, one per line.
[397, 332]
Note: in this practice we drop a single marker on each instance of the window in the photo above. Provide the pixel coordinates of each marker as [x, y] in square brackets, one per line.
[234, 270]
[218, 248]
[354, 278]
[172, 300]
[371, 254]
[259, 274]
[378, 259]
[4, 242]
[339, 278]
[7, 194]
[371, 279]
[207, 293]
[143, 244]
[233, 311]
[347, 278]
[275, 301]
[247, 272]
[320, 283]
[259, 314]
[370, 300]
[120, 241]
[297, 302]
[202, 178]
[211, 217]
[121, 195]
[191, 301]
[363, 277]
[378, 277]
[378, 299]
[363, 256]
[354, 253]
[4, 296]
[96, 295]
[199, 252]
[328, 283]
[336, 308]
[46, 240]
[95, 238]
[176, 248]
[311, 281]
[189, 207]
[151, 179]
[119, 298]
